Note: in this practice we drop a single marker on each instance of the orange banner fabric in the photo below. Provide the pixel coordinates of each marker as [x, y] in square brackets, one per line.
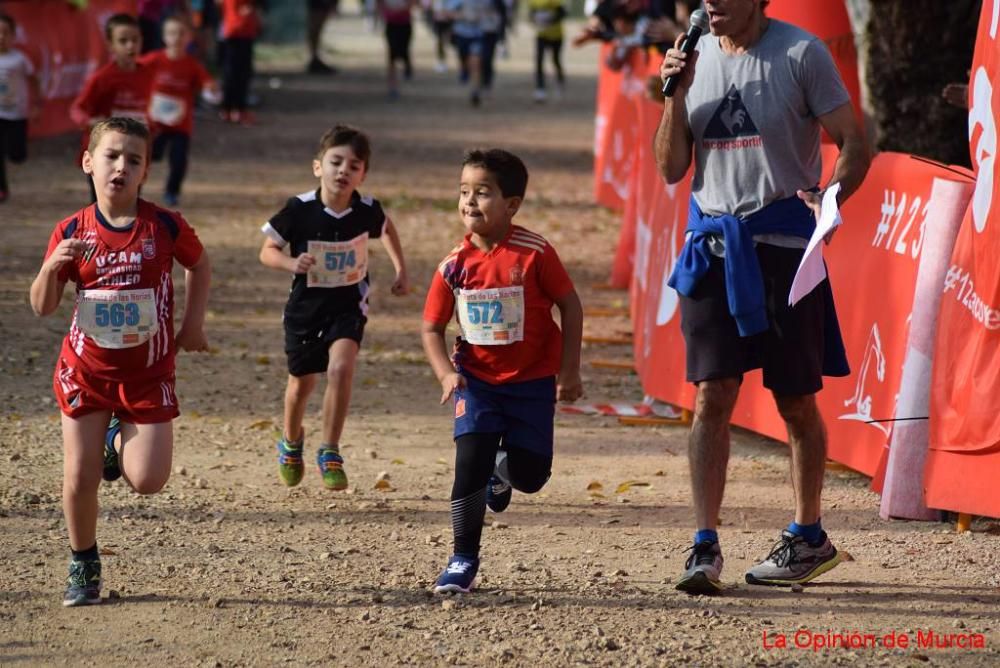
[616, 131]
[964, 462]
[65, 44]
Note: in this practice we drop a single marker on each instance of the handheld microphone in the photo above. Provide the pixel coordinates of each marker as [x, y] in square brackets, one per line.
[699, 24]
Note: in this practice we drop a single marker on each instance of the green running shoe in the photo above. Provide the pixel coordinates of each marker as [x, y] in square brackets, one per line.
[290, 466]
[331, 467]
[83, 586]
[112, 465]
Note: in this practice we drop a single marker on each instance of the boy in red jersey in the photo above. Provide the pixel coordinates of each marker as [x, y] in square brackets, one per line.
[119, 88]
[178, 78]
[511, 362]
[118, 358]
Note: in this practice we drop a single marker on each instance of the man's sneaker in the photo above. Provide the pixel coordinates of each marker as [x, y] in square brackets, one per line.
[331, 467]
[498, 494]
[317, 66]
[703, 569]
[290, 465]
[83, 586]
[112, 465]
[794, 561]
[540, 95]
[458, 576]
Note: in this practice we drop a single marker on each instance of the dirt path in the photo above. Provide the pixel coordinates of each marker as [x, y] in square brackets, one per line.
[228, 567]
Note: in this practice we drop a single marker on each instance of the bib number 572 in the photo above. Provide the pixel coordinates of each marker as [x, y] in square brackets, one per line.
[485, 312]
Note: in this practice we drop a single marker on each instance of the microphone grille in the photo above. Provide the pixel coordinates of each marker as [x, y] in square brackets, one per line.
[699, 18]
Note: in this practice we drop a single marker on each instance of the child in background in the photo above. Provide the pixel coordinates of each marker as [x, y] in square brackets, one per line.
[118, 358]
[398, 19]
[511, 362]
[178, 78]
[547, 15]
[120, 88]
[326, 232]
[20, 96]
[240, 27]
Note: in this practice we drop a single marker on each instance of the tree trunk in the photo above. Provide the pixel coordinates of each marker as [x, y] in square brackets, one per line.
[913, 48]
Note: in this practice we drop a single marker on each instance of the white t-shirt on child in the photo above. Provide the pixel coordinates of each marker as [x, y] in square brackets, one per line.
[15, 68]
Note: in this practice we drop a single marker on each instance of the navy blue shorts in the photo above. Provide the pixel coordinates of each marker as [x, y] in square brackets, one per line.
[523, 412]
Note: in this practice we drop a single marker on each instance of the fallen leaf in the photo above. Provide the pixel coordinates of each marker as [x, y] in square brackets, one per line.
[383, 485]
[397, 461]
[262, 424]
[594, 486]
[263, 359]
[629, 484]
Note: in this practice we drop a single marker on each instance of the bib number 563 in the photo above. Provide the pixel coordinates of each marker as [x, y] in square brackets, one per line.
[116, 314]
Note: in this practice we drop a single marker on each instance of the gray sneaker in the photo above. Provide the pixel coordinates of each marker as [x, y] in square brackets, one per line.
[794, 561]
[703, 569]
[83, 586]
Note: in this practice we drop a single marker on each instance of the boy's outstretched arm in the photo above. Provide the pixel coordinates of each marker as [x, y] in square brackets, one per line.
[47, 289]
[197, 278]
[432, 336]
[274, 256]
[569, 384]
[390, 240]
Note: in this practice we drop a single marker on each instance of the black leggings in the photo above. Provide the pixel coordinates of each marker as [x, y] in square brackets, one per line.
[475, 459]
[13, 145]
[178, 143]
[541, 46]
[236, 73]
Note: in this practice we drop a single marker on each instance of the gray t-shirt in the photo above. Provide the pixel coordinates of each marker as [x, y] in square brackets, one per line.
[753, 117]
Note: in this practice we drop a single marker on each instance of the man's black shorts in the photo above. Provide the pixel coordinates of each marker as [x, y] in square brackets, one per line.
[322, 5]
[311, 354]
[790, 352]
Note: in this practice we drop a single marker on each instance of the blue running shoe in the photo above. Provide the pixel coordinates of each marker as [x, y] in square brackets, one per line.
[83, 586]
[458, 576]
[112, 466]
[498, 494]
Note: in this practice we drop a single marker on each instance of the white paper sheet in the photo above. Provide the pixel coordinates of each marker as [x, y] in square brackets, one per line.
[811, 270]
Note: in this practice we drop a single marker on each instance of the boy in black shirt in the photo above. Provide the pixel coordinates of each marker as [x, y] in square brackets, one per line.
[326, 232]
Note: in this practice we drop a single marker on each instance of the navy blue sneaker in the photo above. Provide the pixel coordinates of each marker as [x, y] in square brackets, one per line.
[83, 586]
[498, 494]
[112, 466]
[458, 576]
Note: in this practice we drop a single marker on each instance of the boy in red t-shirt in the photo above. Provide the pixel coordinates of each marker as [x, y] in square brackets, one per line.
[511, 362]
[118, 88]
[117, 362]
[178, 78]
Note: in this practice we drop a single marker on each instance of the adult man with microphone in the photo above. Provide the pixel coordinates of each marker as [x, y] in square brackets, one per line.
[748, 108]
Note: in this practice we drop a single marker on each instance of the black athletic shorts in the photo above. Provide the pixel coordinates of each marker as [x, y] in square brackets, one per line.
[311, 354]
[398, 36]
[790, 352]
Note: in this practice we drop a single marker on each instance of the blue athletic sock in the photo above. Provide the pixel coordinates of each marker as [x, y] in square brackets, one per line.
[702, 535]
[812, 533]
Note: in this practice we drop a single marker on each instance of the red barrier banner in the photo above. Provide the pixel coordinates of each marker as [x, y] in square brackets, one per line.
[964, 461]
[65, 44]
[872, 264]
[615, 128]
